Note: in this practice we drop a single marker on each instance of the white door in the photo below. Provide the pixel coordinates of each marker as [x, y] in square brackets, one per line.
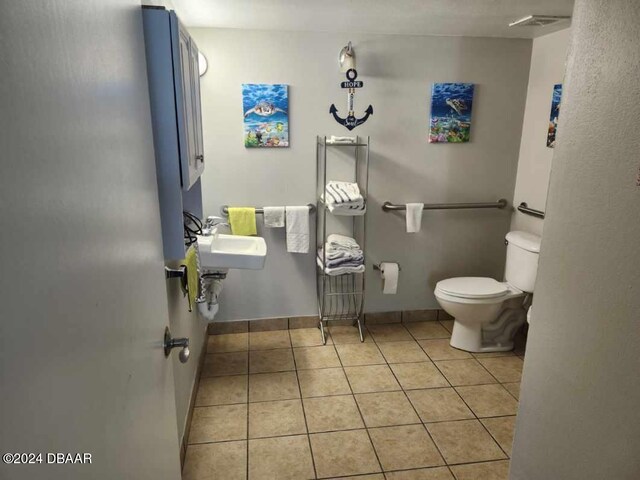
[82, 289]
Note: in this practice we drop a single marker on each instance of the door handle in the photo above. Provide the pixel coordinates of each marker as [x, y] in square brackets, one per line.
[170, 343]
[200, 157]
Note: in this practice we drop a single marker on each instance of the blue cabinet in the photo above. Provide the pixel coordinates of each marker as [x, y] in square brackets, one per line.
[174, 91]
[187, 81]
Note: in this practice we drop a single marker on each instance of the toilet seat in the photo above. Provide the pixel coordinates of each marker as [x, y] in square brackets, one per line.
[473, 287]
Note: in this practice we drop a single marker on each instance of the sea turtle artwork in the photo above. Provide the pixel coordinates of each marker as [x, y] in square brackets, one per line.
[457, 104]
[451, 105]
[553, 116]
[265, 109]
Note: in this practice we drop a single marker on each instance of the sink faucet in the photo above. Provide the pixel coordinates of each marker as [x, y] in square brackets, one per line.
[211, 225]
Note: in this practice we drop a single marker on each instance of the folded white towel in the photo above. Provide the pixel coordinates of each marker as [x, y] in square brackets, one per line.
[274, 217]
[297, 229]
[334, 256]
[340, 253]
[343, 193]
[337, 240]
[414, 217]
[340, 270]
[349, 210]
[335, 139]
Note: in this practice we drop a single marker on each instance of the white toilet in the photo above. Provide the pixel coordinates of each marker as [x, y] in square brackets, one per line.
[488, 313]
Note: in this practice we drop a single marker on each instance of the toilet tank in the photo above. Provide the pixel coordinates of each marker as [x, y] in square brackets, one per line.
[523, 250]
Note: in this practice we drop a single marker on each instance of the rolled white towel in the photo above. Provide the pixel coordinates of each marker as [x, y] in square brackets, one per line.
[335, 194]
[343, 193]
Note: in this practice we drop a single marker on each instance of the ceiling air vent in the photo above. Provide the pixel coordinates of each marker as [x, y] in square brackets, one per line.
[538, 20]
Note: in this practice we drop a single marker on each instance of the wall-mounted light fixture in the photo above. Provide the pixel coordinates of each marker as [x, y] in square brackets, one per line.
[347, 58]
[202, 64]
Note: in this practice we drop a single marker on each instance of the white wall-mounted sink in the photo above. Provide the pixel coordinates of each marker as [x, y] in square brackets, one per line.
[222, 251]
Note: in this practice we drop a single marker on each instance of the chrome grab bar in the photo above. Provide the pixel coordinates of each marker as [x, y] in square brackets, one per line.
[502, 203]
[259, 211]
[524, 208]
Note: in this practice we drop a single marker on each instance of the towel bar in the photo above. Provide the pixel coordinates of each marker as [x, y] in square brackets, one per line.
[502, 203]
[180, 273]
[524, 208]
[175, 272]
[259, 210]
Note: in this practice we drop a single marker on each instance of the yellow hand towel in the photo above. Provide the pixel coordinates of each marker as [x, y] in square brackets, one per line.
[193, 276]
[243, 220]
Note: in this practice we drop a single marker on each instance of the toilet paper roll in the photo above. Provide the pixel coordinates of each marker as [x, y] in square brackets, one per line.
[389, 272]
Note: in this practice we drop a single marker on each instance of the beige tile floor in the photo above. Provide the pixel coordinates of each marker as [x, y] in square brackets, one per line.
[403, 405]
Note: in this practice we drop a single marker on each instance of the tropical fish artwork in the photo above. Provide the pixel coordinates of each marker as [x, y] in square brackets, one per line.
[266, 115]
[553, 117]
[450, 112]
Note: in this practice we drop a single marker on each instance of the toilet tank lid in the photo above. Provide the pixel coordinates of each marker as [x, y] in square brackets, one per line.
[525, 240]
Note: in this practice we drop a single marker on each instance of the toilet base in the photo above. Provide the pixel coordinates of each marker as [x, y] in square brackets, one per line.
[469, 338]
[496, 336]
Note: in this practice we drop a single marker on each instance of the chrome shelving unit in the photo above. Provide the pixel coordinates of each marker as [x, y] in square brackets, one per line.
[341, 297]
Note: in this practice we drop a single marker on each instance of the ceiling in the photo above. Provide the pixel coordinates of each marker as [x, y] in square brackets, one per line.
[485, 18]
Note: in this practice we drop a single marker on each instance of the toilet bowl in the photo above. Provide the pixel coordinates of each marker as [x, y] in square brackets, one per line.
[488, 313]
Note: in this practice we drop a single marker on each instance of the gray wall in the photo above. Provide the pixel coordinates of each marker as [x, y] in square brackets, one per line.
[579, 415]
[548, 59]
[398, 72]
[82, 291]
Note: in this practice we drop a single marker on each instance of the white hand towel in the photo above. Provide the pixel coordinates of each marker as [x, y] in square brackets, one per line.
[274, 217]
[414, 217]
[297, 229]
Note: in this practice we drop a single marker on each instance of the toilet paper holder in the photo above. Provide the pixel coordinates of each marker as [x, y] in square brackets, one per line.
[376, 266]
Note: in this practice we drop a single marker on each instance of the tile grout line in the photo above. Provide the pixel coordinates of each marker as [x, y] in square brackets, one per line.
[352, 429]
[386, 362]
[458, 394]
[248, 407]
[480, 421]
[366, 429]
[410, 403]
[475, 462]
[429, 359]
[468, 406]
[304, 413]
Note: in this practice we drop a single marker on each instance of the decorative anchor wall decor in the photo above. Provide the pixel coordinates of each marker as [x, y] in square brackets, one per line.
[351, 84]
